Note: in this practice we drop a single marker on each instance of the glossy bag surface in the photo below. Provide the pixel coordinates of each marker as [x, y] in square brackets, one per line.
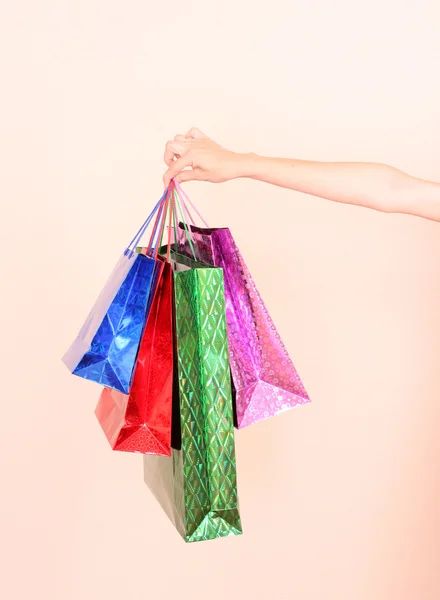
[141, 421]
[105, 349]
[197, 486]
[265, 379]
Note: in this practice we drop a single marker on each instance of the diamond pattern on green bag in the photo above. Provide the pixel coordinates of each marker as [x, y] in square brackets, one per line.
[208, 448]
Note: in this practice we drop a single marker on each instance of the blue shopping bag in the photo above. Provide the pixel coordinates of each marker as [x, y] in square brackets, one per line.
[105, 349]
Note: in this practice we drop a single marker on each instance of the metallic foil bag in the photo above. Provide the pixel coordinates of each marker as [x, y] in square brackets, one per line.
[265, 380]
[197, 486]
[106, 347]
[141, 421]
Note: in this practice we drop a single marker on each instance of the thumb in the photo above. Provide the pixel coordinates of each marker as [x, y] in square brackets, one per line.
[195, 134]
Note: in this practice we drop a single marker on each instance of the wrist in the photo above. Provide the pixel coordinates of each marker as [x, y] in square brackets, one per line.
[248, 165]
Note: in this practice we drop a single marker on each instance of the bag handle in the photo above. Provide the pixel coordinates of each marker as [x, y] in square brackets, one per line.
[130, 250]
[176, 201]
[157, 233]
[165, 212]
[154, 238]
[170, 211]
[185, 198]
[172, 204]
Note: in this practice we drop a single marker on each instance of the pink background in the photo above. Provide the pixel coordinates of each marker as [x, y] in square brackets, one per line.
[340, 499]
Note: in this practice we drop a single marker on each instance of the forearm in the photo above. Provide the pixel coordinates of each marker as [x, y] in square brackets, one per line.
[375, 186]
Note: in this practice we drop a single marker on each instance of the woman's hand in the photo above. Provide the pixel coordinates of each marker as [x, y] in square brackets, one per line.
[195, 156]
[380, 187]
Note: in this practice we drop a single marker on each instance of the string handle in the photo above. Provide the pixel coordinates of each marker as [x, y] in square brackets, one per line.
[185, 198]
[130, 250]
[182, 199]
[157, 234]
[155, 237]
[177, 205]
[172, 204]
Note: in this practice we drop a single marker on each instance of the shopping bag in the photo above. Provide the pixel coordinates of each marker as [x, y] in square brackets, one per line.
[265, 381]
[106, 347]
[197, 486]
[141, 421]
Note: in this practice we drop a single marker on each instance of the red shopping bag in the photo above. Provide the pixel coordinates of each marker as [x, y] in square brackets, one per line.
[141, 421]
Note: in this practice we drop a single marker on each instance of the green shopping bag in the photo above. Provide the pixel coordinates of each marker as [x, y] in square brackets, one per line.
[197, 485]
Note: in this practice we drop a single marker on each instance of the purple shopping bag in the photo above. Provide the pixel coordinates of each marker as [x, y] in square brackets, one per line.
[265, 380]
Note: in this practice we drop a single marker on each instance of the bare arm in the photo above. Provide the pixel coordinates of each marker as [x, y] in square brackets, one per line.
[376, 186]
